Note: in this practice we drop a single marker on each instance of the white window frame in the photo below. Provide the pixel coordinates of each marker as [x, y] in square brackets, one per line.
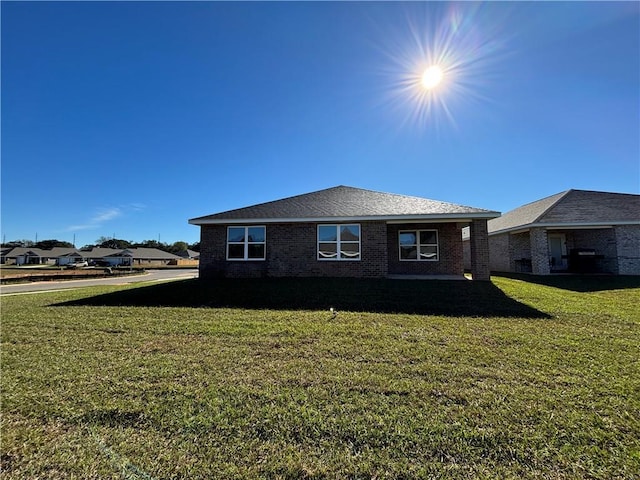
[418, 245]
[338, 243]
[246, 243]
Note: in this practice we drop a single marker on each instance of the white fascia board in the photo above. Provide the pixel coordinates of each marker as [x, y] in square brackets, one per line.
[455, 217]
[563, 226]
[443, 218]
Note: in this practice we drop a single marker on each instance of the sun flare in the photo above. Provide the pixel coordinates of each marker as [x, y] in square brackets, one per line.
[432, 77]
[442, 63]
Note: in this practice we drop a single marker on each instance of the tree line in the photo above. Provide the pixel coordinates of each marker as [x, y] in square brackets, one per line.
[104, 242]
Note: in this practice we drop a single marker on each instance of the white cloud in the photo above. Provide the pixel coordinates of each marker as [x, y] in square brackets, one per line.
[104, 215]
[137, 207]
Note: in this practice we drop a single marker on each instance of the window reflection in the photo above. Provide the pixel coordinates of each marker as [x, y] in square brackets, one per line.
[246, 243]
[424, 249]
[339, 242]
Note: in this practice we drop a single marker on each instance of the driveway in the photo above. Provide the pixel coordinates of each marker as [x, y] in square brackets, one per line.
[149, 276]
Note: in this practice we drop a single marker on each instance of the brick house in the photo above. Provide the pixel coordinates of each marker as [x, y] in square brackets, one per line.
[343, 232]
[40, 256]
[576, 231]
[63, 256]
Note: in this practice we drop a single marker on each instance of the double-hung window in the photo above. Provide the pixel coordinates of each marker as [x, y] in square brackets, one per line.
[339, 242]
[246, 243]
[419, 245]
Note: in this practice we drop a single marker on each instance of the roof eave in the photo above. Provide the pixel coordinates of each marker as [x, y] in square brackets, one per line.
[457, 217]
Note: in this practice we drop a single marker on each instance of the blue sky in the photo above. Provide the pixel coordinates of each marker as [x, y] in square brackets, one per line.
[129, 118]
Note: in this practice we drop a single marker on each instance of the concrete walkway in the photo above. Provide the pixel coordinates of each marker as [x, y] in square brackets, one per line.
[428, 277]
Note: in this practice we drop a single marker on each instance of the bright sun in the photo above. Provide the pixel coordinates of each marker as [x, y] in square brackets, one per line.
[432, 77]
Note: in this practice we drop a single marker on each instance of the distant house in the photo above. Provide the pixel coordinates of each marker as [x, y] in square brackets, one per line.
[69, 257]
[575, 231]
[110, 256]
[188, 258]
[130, 256]
[343, 231]
[3, 254]
[188, 254]
[39, 256]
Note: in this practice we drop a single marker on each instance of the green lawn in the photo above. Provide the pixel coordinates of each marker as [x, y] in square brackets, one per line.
[258, 379]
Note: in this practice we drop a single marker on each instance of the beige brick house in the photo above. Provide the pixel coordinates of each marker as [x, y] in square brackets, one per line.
[343, 232]
[576, 231]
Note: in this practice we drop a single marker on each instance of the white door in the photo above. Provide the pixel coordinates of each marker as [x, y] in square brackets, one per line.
[558, 251]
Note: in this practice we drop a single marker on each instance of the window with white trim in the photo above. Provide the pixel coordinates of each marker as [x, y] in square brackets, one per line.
[339, 242]
[246, 243]
[419, 245]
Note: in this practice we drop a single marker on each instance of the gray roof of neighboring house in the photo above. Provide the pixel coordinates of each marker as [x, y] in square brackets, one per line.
[134, 252]
[151, 254]
[51, 253]
[345, 203]
[572, 207]
[94, 253]
[19, 251]
[99, 252]
[188, 254]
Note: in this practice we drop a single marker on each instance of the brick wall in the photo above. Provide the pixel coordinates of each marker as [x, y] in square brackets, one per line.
[539, 251]
[603, 240]
[499, 253]
[479, 239]
[450, 261]
[628, 243]
[291, 251]
[520, 252]
[212, 251]
[466, 254]
[519, 246]
[620, 247]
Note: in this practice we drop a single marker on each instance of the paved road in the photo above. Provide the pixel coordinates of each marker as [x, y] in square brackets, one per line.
[150, 276]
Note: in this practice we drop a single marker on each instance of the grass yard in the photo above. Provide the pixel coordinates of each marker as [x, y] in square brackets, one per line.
[256, 379]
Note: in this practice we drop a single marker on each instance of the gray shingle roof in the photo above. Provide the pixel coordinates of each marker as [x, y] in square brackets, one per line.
[151, 254]
[51, 253]
[579, 207]
[94, 253]
[141, 253]
[340, 203]
[188, 254]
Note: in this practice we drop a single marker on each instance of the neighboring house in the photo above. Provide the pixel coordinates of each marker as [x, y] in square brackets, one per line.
[70, 257]
[189, 254]
[39, 256]
[3, 254]
[343, 231]
[130, 256]
[23, 256]
[114, 257]
[575, 231]
[188, 257]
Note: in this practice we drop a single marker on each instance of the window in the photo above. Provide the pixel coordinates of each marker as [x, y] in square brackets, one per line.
[246, 243]
[339, 242]
[419, 245]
